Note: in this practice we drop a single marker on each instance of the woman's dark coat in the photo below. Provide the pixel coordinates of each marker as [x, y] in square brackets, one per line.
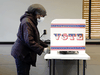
[28, 44]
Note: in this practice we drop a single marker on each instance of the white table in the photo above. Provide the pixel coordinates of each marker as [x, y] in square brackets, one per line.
[80, 56]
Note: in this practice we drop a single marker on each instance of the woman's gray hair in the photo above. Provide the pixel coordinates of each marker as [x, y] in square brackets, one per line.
[37, 9]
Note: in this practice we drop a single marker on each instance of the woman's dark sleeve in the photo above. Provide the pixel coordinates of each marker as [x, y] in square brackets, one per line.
[43, 44]
[28, 36]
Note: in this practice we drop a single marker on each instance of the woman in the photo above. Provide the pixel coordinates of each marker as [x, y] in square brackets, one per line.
[28, 43]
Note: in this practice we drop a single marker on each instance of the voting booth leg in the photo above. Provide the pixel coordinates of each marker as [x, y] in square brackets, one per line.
[84, 64]
[77, 67]
[49, 66]
[53, 66]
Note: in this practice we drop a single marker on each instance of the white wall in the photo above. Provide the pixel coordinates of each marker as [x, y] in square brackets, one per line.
[12, 10]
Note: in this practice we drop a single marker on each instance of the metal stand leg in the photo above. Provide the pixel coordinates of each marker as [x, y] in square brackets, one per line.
[84, 62]
[53, 66]
[49, 66]
[77, 67]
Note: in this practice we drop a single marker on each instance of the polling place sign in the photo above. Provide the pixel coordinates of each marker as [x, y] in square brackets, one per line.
[67, 35]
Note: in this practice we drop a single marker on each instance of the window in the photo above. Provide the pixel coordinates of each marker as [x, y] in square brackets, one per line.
[91, 12]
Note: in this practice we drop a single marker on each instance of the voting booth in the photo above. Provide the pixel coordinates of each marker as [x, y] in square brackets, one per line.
[67, 35]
